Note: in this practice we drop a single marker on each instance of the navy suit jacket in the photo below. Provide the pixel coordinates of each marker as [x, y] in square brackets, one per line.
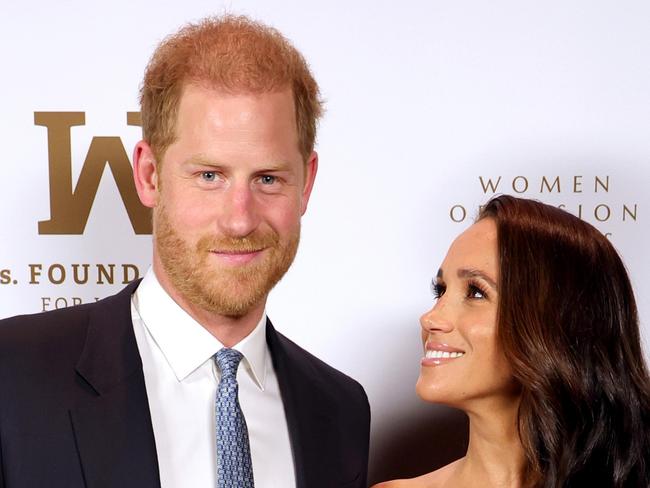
[74, 409]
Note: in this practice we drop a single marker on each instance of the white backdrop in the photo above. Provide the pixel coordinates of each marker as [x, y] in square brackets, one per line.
[426, 102]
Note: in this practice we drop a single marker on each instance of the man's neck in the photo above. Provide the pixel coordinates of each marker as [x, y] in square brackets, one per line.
[229, 331]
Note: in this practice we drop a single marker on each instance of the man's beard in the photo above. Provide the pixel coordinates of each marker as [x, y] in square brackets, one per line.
[230, 291]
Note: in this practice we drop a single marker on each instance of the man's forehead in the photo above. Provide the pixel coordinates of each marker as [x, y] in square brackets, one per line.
[246, 107]
[215, 89]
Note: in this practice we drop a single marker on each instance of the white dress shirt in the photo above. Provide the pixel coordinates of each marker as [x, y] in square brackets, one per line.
[181, 380]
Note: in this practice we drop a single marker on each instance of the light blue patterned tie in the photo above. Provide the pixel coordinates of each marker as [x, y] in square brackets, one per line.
[234, 466]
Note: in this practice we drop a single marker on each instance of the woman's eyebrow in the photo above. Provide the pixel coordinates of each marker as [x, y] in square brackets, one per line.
[476, 273]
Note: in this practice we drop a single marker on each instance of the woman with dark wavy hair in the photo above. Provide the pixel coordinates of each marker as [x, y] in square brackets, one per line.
[535, 335]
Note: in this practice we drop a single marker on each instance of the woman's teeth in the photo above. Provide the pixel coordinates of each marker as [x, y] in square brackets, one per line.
[442, 354]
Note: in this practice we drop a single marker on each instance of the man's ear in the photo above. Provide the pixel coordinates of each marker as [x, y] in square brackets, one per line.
[145, 174]
[311, 168]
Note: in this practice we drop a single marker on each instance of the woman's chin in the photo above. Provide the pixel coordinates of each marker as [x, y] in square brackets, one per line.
[432, 392]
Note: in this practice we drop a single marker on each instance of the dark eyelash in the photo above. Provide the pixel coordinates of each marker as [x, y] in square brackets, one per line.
[438, 289]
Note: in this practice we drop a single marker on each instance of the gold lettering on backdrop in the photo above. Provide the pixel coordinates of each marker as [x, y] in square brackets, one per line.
[79, 274]
[577, 213]
[545, 184]
[574, 189]
[627, 211]
[70, 208]
[489, 185]
[56, 274]
[603, 184]
[38, 274]
[457, 213]
[600, 215]
[520, 184]
[49, 303]
[34, 273]
[577, 184]
[5, 276]
[105, 273]
[134, 118]
[519, 188]
[129, 273]
[75, 270]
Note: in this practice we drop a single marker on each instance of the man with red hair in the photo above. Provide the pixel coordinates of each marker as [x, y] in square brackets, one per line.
[181, 380]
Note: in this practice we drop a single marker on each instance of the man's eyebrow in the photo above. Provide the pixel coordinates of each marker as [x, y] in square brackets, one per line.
[476, 273]
[276, 165]
[202, 160]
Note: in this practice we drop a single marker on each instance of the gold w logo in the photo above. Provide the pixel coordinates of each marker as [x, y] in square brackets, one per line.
[70, 206]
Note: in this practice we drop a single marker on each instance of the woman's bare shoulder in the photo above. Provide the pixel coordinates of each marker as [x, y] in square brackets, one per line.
[396, 484]
[435, 479]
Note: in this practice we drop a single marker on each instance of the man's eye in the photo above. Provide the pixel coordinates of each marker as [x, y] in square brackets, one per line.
[268, 179]
[208, 175]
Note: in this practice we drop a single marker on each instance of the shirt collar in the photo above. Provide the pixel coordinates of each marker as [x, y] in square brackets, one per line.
[184, 342]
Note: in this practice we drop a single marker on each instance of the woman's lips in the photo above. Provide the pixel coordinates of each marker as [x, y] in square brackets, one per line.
[436, 354]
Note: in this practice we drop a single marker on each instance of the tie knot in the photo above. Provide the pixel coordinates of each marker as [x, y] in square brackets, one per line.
[228, 361]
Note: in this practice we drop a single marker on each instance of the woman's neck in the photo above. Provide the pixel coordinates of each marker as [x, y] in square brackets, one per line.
[495, 455]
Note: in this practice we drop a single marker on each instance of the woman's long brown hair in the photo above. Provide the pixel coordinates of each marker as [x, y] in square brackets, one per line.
[568, 324]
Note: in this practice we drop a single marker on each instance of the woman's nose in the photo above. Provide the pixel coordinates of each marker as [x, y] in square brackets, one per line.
[435, 320]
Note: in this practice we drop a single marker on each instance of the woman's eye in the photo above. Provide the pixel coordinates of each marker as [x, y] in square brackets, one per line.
[268, 179]
[475, 292]
[208, 175]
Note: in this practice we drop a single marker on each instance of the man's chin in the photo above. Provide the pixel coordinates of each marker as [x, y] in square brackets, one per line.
[233, 305]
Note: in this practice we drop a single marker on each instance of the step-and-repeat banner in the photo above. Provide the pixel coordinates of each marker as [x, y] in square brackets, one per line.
[432, 107]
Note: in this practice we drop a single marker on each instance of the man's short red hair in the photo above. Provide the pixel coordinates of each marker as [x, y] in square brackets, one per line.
[230, 53]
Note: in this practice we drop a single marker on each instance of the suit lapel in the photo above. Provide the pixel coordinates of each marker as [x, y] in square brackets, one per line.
[113, 427]
[308, 407]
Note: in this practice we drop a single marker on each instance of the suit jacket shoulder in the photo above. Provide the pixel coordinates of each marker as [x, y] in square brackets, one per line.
[328, 378]
[327, 414]
[73, 404]
[37, 333]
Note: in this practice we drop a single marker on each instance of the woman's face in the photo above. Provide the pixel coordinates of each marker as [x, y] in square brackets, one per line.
[462, 361]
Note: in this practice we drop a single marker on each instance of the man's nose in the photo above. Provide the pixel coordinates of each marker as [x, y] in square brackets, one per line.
[239, 215]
